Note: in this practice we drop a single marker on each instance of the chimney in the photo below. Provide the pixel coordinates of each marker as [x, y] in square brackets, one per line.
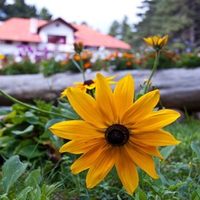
[33, 25]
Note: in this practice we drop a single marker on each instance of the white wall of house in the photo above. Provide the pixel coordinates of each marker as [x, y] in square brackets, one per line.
[31, 49]
[59, 29]
[15, 48]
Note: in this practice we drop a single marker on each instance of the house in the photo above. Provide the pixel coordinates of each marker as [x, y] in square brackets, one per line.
[38, 37]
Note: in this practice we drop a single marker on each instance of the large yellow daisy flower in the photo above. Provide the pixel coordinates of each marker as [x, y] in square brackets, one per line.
[115, 131]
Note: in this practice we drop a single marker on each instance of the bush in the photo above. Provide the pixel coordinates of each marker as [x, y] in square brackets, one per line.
[167, 60]
[189, 60]
[26, 67]
[121, 61]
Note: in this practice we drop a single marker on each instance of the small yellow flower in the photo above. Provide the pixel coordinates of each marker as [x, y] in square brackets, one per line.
[115, 131]
[156, 42]
[2, 57]
[89, 84]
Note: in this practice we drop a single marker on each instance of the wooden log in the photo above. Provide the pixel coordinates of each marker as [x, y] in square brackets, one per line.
[179, 88]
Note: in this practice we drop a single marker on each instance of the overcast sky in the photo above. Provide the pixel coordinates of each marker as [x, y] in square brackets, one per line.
[99, 14]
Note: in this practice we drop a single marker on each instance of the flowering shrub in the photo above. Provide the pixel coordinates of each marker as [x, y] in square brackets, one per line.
[167, 60]
[121, 61]
[71, 61]
[50, 67]
[189, 60]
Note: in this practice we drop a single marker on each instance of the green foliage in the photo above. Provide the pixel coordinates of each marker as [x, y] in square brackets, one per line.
[24, 67]
[121, 61]
[189, 60]
[20, 9]
[166, 60]
[30, 150]
[50, 67]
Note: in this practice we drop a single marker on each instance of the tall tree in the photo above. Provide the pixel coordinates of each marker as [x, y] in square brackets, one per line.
[179, 19]
[115, 29]
[122, 30]
[20, 9]
[44, 14]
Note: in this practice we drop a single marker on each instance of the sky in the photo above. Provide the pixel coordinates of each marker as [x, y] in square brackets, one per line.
[98, 14]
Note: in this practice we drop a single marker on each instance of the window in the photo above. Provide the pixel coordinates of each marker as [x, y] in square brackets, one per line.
[8, 42]
[56, 39]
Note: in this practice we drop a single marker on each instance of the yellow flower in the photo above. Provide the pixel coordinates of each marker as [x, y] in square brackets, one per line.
[156, 42]
[115, 131]
[2, 57]
[88, 84]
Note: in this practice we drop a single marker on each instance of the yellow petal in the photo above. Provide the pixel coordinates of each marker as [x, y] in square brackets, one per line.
[126, 170]
[81, 145]
[91, 86]
[86, 107]
[100, 167]
[124, 94]
[75, 129]
[87, 159]
[156, 40]
[156, 120]
[105, 101]
[155, 138]
[163, 41]
[149, 41]
[144, 161]
[139, 109]
[150, 150]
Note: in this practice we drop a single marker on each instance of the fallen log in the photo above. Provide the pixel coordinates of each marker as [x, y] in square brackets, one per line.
[179, 88]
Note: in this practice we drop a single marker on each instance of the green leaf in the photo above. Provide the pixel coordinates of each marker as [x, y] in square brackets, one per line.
[24, 193]
[66, 109]
[27, 130]
[10, 116]
[18, 119]
[4, 112]
[195, 148]
[47, 134]
[36, 193]
[33, 179]
[47, 190]
[173, 187]
[166, 151]
[29, 150]
[5, 140]
[141, 194]
[12, 169]
[196, 194]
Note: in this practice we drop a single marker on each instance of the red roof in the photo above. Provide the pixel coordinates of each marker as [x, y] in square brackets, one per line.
[91, 37]
[18, 29]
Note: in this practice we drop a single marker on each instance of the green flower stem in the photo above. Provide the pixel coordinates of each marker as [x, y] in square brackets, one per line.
[153, 70]
[29, 106]
[82, 68]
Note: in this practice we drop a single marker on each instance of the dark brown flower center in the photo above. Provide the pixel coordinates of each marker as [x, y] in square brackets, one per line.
[117, 135]
[88, 82]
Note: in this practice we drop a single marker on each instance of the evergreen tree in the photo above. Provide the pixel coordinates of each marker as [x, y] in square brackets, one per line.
[20, 9]
[115, 29]
[44, 14]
